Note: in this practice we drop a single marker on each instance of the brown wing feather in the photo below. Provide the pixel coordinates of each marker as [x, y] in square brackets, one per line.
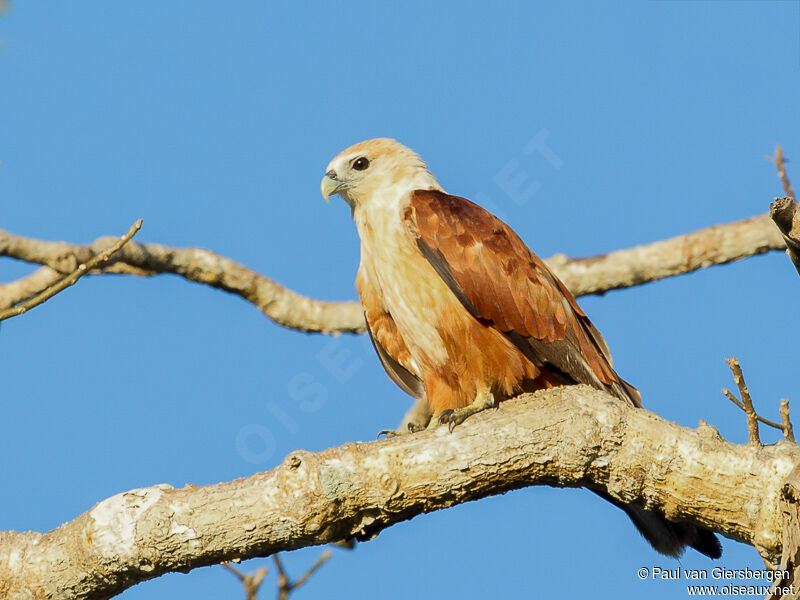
[390, 346]
[506, 286]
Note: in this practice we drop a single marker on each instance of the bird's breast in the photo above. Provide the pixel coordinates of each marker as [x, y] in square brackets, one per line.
[410, 290]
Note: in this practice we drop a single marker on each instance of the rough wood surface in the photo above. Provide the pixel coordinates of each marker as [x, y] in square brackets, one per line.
[790, 559]
[716, 245]
[573, 436]
[785, 212]
[280, 304]
[593, 275]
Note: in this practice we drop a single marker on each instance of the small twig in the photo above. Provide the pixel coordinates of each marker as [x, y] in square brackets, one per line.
[70, 279]
[786, 424]
[747, 402]
[234, 570]
[286, 586]
[788, 432]
[738, 403]
[250, 582]
[780, 164]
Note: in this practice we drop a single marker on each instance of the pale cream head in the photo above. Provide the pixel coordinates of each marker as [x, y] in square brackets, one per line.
[374, 171]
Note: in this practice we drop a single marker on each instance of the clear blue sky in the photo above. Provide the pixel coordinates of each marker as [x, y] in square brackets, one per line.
[213, 122]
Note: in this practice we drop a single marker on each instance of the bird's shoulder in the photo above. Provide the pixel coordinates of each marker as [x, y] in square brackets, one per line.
[468, 234]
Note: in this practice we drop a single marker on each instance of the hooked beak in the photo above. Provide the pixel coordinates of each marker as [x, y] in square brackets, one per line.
[330, 185]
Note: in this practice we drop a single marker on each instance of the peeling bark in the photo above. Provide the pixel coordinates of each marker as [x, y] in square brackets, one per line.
[566, 437]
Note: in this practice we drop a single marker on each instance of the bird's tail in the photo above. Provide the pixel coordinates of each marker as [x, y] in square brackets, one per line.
[668, 537]
[625, 391]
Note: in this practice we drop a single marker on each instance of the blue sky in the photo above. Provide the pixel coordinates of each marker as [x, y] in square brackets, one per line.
[213, 122]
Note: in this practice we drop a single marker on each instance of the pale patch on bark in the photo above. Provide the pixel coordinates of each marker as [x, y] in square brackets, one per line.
[112, 522]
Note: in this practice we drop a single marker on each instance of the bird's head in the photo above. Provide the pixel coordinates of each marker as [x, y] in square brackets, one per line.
[375, 171]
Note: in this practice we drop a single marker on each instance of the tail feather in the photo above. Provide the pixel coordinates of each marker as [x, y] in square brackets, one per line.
[668, 537]
[625, 391]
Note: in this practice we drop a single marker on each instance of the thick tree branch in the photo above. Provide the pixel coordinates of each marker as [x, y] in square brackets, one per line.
[790, 560]
[567, 437]
[593, 275]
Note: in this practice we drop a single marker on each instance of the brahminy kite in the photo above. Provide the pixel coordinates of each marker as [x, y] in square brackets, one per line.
[462, 313]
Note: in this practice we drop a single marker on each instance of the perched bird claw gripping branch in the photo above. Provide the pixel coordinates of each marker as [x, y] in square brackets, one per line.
[463, 314]
[456, 416]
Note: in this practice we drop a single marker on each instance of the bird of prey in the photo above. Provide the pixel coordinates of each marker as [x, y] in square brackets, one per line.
[462, 313]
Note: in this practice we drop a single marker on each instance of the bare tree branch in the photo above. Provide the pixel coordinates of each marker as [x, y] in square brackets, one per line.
[746, 402]
[27, 287]
[780, 164]
[727, 393]
[571, 436]
[81, 270]
[593, 275]
[687, 253]
[251, 582]
[790, 559]
[282, 305]
[285, 585]
[788, 430]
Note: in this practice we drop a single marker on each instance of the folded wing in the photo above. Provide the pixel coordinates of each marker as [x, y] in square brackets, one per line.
[506, 286]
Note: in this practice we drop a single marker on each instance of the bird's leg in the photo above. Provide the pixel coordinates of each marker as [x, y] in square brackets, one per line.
[417, 417]
[456, 416]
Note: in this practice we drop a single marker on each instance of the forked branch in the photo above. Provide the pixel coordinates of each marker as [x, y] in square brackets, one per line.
[63, 283]
[746, 404]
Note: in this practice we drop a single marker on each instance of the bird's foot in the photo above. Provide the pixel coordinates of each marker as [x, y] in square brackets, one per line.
[415, 427]
[456, 416]
[392, 433]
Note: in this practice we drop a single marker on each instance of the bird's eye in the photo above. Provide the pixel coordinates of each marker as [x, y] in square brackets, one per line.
[360, 164]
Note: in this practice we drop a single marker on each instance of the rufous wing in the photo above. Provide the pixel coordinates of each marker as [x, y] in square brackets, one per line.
[506, 286]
